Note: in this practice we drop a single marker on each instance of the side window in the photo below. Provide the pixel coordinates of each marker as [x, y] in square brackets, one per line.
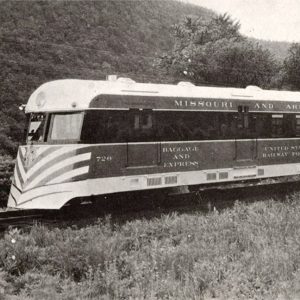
[229, 125]
[289, 125]
[205, 126]
[186, 126]
[142, 124]
[146, 121]
[277, 125]
[93, 129]
[106, 126]
[263, 126]
[172, 126]
[118, 127]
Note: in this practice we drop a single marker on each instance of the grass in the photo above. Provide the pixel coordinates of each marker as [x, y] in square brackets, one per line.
[251, 251]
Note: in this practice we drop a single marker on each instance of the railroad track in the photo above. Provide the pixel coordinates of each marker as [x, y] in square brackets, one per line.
[20, 218]
[138, 205]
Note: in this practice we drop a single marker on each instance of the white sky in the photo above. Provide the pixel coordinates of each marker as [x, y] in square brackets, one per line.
[277, 20]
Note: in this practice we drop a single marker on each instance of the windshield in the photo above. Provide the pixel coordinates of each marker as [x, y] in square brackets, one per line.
[36, 127]
[65, 126]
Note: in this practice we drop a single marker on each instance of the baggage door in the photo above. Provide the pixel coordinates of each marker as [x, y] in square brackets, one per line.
[245, 145]
[142, 154]
[245, 149]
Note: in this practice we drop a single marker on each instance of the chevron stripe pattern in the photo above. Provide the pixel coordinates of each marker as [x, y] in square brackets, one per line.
[43, 165]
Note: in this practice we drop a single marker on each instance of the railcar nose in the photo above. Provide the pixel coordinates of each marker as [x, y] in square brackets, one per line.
[46, 176]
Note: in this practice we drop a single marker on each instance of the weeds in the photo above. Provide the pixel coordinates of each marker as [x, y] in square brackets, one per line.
[247, 252]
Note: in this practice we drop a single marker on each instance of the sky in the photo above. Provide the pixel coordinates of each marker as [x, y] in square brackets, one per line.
[277, 20]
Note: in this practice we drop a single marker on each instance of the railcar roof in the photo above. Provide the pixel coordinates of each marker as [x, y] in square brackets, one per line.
[75, 94]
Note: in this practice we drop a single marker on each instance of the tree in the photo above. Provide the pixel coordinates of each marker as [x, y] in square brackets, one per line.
[291, 67]
[214, 52]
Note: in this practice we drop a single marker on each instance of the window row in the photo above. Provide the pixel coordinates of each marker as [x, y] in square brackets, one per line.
[143, 126]
[98, 126]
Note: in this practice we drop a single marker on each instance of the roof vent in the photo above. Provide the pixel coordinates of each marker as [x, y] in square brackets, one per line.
[253, 88]
[185, 83]
[125, 80]
[111, 77]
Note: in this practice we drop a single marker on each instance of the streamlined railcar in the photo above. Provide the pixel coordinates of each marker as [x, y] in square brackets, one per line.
[88, 138]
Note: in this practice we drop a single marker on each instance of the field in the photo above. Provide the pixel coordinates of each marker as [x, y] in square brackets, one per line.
[249, 251]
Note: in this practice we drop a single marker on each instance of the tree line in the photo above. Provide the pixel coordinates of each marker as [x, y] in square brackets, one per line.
[214, 52]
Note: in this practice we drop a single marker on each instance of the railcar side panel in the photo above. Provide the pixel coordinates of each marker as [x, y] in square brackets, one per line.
[152, 158]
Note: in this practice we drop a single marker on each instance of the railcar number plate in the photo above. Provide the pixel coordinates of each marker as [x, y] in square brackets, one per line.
[103, 158]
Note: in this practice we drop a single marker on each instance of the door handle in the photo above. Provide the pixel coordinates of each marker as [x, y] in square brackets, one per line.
[256, 148]
[159, 153]
[235, 147]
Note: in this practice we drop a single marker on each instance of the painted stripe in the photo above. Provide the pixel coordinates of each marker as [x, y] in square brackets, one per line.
[15, 193]
[16, 178]
[39, 191]
[9, 202]
[43, 195]
[60, 165]
[19, 176]
[69, 175]
[80, 177]
[17, 188]
[45, 153]
[42, 149]
[61, 171]
[21, 155]
[41, 157]
[21, 168]
[50, 164]
[53, 155]
[23, 150]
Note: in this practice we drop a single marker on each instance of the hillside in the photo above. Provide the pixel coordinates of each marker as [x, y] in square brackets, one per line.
[46, 40]
[278, 49]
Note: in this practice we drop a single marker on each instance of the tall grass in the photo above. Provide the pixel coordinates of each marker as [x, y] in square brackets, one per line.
[247, 252]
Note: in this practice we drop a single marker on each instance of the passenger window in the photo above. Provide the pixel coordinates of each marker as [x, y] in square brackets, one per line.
[118, 127]
[93, 130]
[289, 126]
[143, 127]
[146, 121]
[277, 125]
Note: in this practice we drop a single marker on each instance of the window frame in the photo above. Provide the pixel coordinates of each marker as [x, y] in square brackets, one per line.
[28, 122]
[50, 128]
[277, 128]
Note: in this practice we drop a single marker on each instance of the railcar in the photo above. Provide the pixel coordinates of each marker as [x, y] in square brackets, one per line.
[88, 138]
